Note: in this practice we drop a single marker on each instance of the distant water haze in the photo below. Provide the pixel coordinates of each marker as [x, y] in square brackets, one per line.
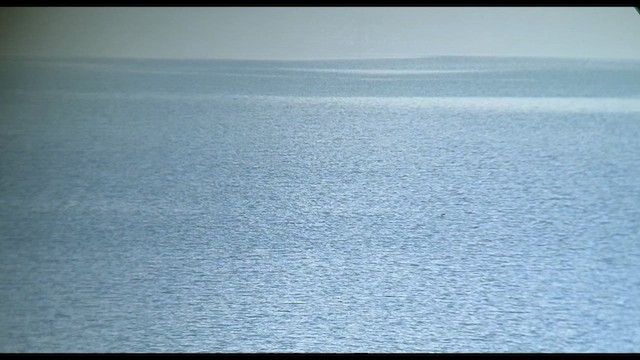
[319, 33]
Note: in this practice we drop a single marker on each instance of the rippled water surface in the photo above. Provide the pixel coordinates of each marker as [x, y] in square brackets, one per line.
[432, 205]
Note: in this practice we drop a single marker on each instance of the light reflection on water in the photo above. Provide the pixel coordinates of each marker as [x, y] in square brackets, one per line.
[258, 222]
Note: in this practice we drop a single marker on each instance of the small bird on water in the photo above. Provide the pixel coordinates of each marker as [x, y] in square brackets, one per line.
[442, 215]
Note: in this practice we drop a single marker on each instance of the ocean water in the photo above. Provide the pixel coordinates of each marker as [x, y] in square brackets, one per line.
[445, 204]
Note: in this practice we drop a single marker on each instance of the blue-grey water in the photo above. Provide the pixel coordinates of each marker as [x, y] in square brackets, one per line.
[445, 204]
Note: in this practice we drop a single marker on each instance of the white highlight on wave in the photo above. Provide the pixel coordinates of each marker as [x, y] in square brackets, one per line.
[390, 72]
[517, 104]
[526, 104]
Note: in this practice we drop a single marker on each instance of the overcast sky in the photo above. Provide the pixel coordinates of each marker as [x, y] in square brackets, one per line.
[319, 33]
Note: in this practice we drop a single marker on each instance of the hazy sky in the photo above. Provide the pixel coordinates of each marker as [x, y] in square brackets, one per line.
[319, 33]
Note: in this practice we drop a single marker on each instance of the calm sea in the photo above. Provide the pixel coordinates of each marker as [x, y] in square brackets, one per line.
[445, 204]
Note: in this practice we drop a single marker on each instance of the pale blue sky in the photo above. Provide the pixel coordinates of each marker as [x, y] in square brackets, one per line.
[319, 33]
